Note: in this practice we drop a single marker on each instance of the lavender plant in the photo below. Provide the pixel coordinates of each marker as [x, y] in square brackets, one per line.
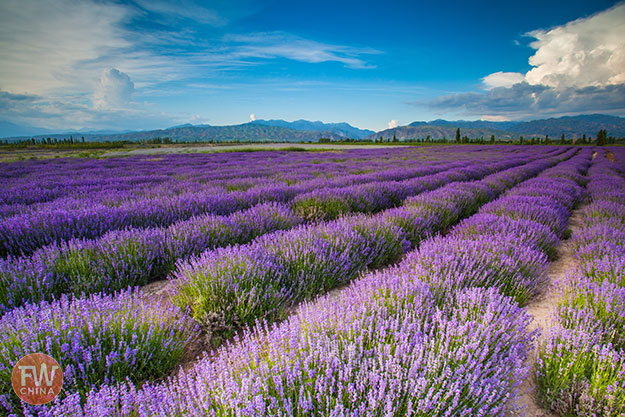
[581, 364]
[129, 257]
[97, 340]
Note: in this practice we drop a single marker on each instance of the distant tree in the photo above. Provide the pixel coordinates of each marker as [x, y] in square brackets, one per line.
[458, 135]
[602, 137]
[584, 138]
[394, 137]
[492, 139]
[427, 139]
[521, 140]
[562, 139]
[547, 140]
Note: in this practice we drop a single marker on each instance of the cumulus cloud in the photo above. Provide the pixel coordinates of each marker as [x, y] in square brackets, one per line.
[114, 91]
[502, 79]
[393, 124]
[578, 67]
[252, 117]
[585, 52]
[56, 50]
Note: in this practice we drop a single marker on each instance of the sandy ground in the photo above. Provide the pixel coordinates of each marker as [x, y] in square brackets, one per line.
[541, 309]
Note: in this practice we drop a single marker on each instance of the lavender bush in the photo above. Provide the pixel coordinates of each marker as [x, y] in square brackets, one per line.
[129, 257]
[239, 285]
[581, 364]
[97, 340]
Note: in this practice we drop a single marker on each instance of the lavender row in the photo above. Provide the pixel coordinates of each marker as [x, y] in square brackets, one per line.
[132, 257]
[99, 339]
[135, 257]
[116, 185]
[231, 287]
[389, 344]
[109, 191]
[129, 257]
[47, 180]
[24, 233]
[42, 334]
[581, 364]
[330, 203]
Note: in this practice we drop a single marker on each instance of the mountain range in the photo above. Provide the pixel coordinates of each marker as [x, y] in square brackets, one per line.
[303, 130]
[571, 126]
[340, 129]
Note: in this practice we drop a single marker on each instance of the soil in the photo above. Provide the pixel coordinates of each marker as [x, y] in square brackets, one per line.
[541, 309]
[156, 289]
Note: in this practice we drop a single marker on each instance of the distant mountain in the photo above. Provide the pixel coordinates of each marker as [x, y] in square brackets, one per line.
[340, 129]
[248, 132]
[8, 129]
[438, 132]
[467, 124]
[571, 126]
[303, 130]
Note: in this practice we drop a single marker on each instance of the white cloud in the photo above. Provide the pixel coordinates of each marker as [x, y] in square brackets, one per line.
[502, 79]
[187, 9]
[252, 117]
[70, 115]
[114, 91]
[42, 42]
[57, 50]
[393, 124]
[585, 52]
[270, 45]
[491, 118]
[578, 68]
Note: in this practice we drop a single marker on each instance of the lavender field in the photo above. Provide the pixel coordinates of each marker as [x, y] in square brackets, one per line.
[365, 282]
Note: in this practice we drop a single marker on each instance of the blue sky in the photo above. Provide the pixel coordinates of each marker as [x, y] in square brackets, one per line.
[144, 64]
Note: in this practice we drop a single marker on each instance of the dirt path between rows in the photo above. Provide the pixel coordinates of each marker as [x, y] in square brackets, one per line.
[541, 309]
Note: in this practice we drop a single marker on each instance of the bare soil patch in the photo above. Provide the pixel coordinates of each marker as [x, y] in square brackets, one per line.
[541, 308]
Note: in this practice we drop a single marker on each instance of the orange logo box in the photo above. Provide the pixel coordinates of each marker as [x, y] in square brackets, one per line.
[37, 378]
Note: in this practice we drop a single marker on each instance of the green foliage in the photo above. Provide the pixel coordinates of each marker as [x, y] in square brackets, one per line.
[574, 381]
[314, 208]
[602, 137]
